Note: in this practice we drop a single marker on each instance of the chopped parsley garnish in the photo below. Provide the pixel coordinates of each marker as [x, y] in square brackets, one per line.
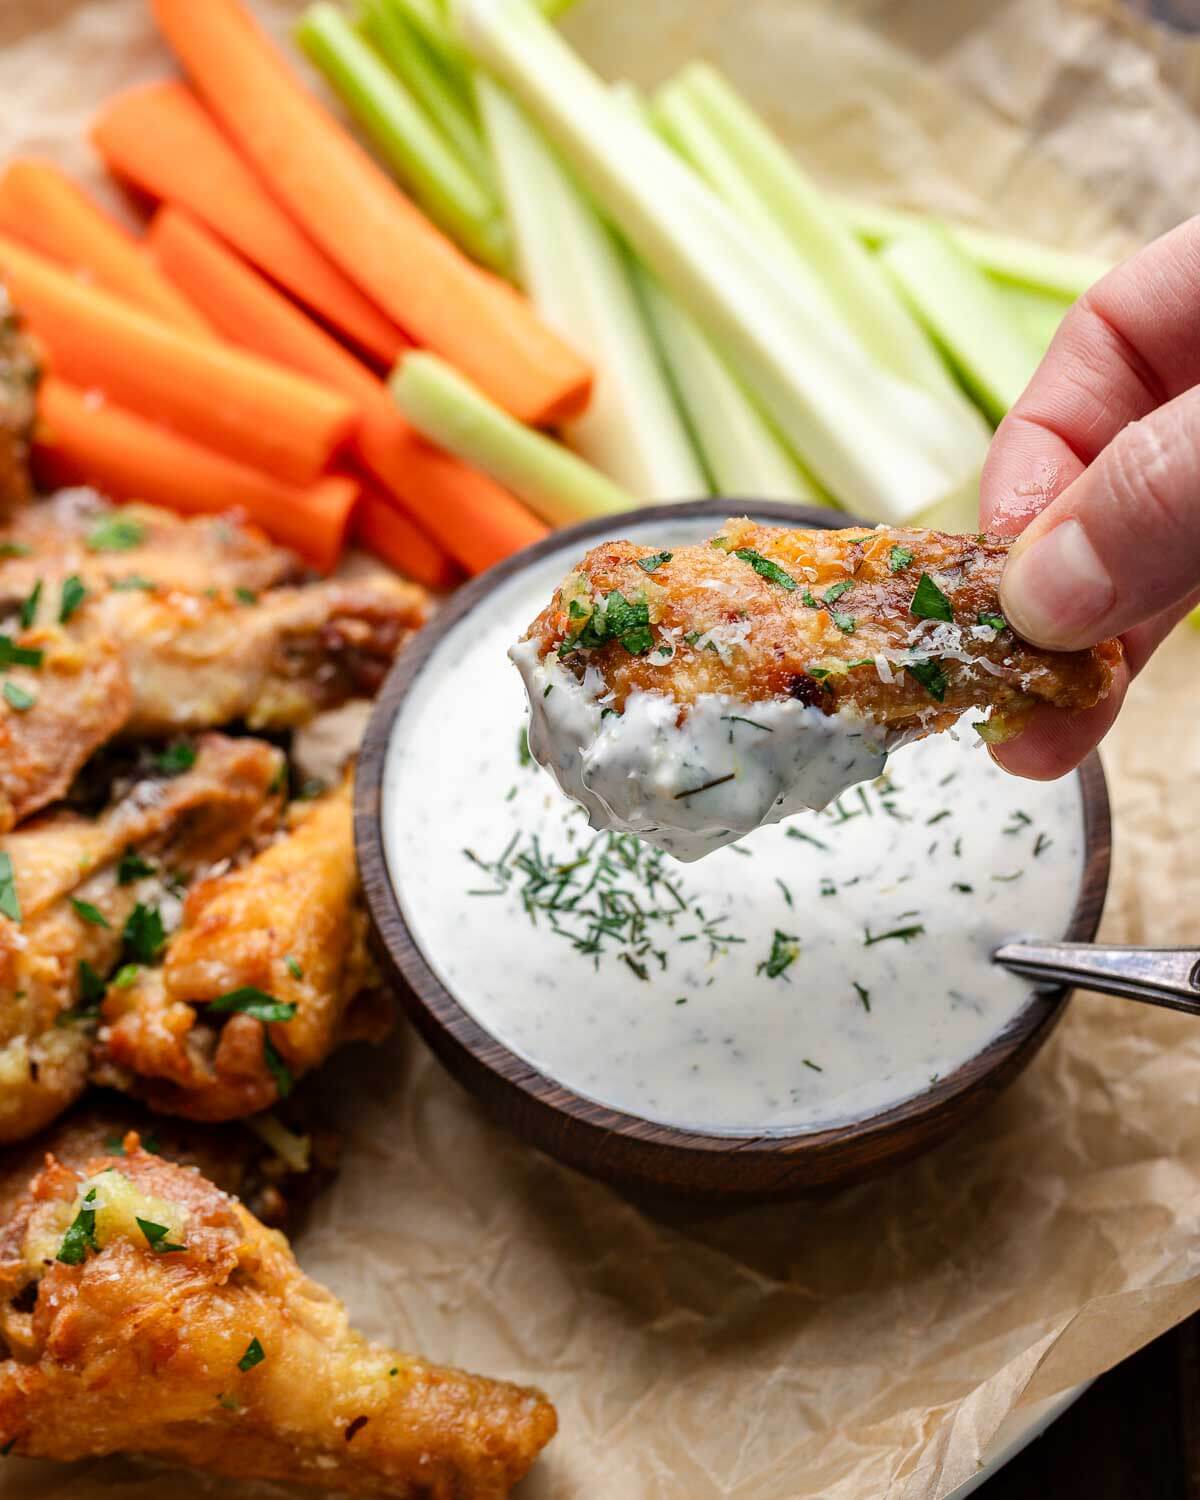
[116, 533]
[134, 581]
[836, 590]
[131, 867]
[10, 904]
[993, 622]
[91, 985]
[293, 967]
[549, 690]
[12, 655]
[18, 697]
[86, 912]
[29, 605]
[144, 933]
[807, 838]
[73, 595]
[962, 887]
[126, 976]
[245, 596]
[1041, 845]
[787, 895]
[929, 603]
[256, 1004]
[524, 755]
[765, 568]
[846, 623]
[81, 1237]
[900, 934]
[614, 618]
[938, 817]
[931, 677]
[278, 1069]
[254, 1355]
[651, 564]
[863, 994]
[15, 549]
[705, 787]
[156, 1237]
[176, 758]
[899, 558]
[810, 600]
[785, 950]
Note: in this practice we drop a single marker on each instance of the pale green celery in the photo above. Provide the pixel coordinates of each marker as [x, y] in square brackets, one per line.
[1038, 314]
[966, 315]
[740, 448]
[549, 478]
[1066, 273]
[881, 446]
[412, 147]
[430, 20]
[442, 95]
[754, 172]
[579, 278]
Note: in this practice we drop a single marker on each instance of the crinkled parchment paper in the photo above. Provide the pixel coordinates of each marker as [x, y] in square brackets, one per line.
[870, 1343]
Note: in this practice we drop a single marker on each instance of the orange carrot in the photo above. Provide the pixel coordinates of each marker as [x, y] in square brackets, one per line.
[243, 406]
[82, 439]
[162, 140]
[362, 220]
[475, 520]
[42, 206]
[400, 542]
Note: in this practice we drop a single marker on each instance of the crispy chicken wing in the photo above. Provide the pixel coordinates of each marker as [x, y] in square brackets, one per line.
[144, 1311]
[72, 885]
[286, 933]
[18, 391]
[766, 670]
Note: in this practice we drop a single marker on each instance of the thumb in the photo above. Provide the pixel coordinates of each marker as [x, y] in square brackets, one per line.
[1120, 544]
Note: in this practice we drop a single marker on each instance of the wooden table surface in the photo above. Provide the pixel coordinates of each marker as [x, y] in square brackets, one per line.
[1134, 1436]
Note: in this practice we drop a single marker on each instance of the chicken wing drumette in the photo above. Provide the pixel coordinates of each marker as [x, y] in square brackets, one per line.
[144, 1311]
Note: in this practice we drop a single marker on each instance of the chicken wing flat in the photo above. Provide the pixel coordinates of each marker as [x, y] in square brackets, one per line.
[144, 1311]
[691, 695]
[267, 973]
[77, 894]
[18, 391]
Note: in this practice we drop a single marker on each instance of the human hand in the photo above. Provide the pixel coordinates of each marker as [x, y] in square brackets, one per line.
[1097, 467]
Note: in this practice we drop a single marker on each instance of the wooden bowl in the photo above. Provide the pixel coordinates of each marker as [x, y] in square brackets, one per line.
[637, 1154]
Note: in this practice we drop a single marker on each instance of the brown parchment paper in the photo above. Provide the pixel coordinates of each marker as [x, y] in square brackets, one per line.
[870, 1343]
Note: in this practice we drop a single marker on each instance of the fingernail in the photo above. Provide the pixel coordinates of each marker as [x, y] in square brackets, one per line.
[1056, 590]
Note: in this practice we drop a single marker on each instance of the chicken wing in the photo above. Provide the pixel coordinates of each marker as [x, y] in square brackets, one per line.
[18, 391]
[144, 1311]
[267, 973]
[76, 892]
[690, 695]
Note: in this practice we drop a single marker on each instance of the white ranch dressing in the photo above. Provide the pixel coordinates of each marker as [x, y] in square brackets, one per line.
[755, 1018]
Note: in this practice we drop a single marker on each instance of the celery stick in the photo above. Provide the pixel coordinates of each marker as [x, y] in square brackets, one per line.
[1037, 314]
[966, 315]
[754, 172]
[1066, 273]
[415, 151]
[879, 445]
[579, 278]
[430, 20]
[450, 412]
[740, 449]
[443, 98]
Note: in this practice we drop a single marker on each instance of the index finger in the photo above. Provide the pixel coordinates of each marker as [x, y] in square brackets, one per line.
[1129, 344]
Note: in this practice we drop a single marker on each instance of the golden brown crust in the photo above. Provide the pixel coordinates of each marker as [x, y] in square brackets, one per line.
[18, 393]
[720, 626]
[132, 1351]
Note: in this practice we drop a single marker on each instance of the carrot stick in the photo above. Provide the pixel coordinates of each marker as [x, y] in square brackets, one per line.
[400, 542]
[162, 140]
[357, 214]
[42, 206]
[243, 406]
[469, 515]
[83, 439]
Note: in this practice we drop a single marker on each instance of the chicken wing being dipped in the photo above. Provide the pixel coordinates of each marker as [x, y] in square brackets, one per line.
[144, 1311]
[267, 973]
[691, 696]
[77, 894]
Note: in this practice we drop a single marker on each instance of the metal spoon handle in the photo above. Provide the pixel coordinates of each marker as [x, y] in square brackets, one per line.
[1158, 976]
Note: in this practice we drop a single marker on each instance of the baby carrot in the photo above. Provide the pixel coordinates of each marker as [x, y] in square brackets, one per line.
[225, 399]
[360, 218]
[469, 515]
[83, 439]
[162, 140]
[398, 541]
[42, 206]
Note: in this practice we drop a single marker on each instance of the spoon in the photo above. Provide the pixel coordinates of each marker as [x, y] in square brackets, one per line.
[1158, 976]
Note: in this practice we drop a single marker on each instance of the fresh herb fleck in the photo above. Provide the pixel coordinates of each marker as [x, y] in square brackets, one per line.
[245, 596]
[18, 697]
[176, 758]
[156, 1237]
[836, 590]
[1041, 845]
[785, 950]
[931, 677]
[808, 1063]
[846, 623]
[126, 976]
[255, 1003]
[81, 1236]
[132, 867]
[900, 934]
[86, 912]
[993, 622]
[72, 596]
[765, 568]
[929, 603]
[284, 1080]
[29, 605]
[652, 564]
[12, 655]
[524, 754]
[254, 1355]
[705, 787]
[899, 558]
[15, 549]
[863, 994]
[116, 533]
[293, 967]
[144, 933]
[132, 582]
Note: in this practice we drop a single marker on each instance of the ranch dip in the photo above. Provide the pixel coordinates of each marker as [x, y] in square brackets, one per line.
[819, 971]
